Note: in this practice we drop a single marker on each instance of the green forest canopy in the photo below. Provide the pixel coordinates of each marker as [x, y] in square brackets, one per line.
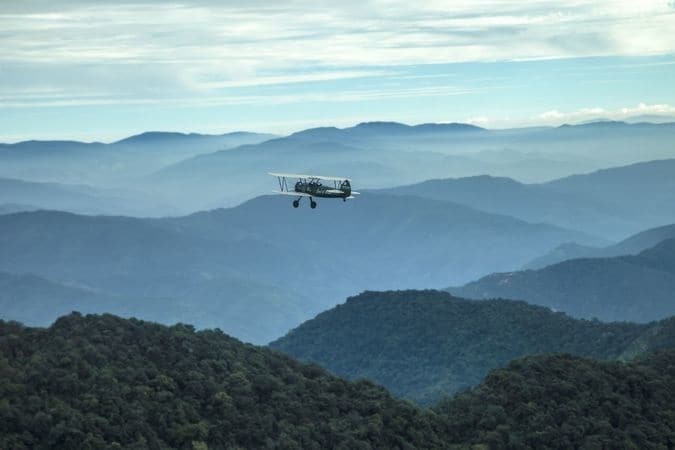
[105, 382]
[422, 345]
[97, 381]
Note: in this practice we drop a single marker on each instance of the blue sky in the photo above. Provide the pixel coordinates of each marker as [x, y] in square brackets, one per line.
[74, 69]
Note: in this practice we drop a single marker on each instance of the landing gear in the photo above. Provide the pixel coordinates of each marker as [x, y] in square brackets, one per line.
[312, 203]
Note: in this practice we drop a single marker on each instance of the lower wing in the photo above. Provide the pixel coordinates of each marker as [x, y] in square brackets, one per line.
[293, 194]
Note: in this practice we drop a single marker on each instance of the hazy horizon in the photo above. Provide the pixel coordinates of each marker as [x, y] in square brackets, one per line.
[652, 118]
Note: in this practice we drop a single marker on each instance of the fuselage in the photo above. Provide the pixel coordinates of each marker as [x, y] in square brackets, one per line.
[316, 189]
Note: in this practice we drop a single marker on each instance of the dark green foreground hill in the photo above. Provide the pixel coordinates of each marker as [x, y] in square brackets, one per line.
[422, 345]
[560, 401]
[91, 382]
[101, 381]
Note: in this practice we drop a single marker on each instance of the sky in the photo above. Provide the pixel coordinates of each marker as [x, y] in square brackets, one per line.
[85, 70]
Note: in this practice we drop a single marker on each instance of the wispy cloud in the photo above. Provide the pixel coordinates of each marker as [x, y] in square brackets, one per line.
[71, 67]
[152, 50]
[555, 117]
[56, 99]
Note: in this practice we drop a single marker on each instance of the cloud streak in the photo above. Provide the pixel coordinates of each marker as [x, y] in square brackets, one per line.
[555, 117]
[205, 46]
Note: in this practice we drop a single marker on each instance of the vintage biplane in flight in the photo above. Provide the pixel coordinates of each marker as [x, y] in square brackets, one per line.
[311, 186]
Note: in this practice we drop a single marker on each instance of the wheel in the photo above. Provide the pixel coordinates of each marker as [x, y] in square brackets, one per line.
[296, 203]
[313, 204]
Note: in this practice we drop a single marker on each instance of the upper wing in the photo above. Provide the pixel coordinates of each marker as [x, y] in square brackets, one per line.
[330, 178]
[297, 175]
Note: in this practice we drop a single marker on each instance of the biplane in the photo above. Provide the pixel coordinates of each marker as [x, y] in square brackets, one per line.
[311, 186]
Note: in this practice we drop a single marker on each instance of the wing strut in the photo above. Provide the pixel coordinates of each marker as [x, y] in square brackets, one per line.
[283, 185]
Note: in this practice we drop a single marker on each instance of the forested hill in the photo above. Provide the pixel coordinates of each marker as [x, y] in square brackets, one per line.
[560, 401]
[422, 345]
[92, 382]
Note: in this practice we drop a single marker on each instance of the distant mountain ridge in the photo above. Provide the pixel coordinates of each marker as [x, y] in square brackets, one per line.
[423, 345]
[105, 164]
[601, 203]
[53, 145]
[10, 208]
[632, 245]
[81, 199]
[141, 137]
[392, 154]
[635, 287]
[37, 301]
[364, 129]
[313, 260]
[167, 136]
[195, 173]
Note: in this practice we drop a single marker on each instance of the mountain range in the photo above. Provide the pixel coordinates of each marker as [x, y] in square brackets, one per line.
[192, 172]
[575, 220]
[81, 199]
[633, 287]
[223, 262]
[384, 154]
[630, 246]
[420, 236]
[602, 203]
[423, 345]
[252, 310]
[73, 162]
